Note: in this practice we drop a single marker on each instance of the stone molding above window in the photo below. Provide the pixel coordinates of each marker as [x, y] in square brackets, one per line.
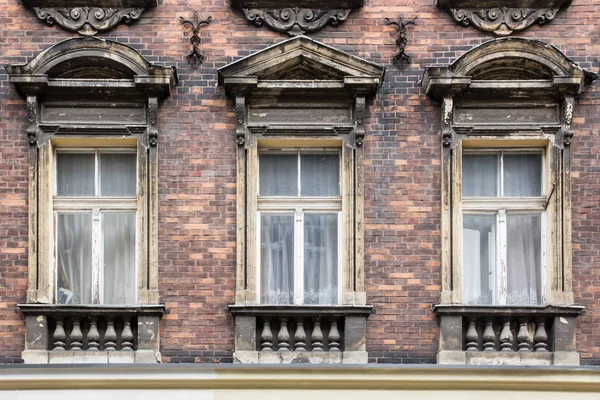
[88, 93]
[514, 94]
[88, 17]
[300, 94]
[297, 17]
[502, 17]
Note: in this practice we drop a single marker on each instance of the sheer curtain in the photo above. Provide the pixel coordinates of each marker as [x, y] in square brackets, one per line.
[278, 175]
[524, 259]
[277, 258]
[522, 175]
[74, 258]
[117, 174]
[479, 259]
[75, 174]
[320, 174]
[320, 259]
[118, 237]
[480, 175]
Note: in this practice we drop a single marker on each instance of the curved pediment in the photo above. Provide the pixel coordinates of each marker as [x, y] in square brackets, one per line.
[301, 63]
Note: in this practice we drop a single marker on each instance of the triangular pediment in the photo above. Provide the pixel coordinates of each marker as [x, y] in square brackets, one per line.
[301, 59]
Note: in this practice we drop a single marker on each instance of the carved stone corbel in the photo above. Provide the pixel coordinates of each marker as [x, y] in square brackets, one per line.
[240, 120]
[566, 116]
[32, 119]
[359, 113]
[447, 131]
[294, 20]
[153, 121]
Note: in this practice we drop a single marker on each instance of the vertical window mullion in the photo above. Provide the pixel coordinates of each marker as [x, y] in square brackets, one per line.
[97, 173]
[502, 258]
[96, 257]
[299, 174]
[501, 173]
[299, 257]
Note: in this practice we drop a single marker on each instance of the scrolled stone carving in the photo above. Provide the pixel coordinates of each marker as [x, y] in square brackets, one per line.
[502, 21]
[88, 21]
[294, 20]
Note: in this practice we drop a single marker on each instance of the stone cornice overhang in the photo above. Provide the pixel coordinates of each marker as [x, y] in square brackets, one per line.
[289, 377]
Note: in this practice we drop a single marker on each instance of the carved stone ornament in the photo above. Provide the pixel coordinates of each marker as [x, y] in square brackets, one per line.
[502, 17]
[295, 21]
[89, 17]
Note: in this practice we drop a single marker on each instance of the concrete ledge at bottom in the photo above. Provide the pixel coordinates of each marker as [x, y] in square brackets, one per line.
[300, 357]
[507, 358]
[90, 357]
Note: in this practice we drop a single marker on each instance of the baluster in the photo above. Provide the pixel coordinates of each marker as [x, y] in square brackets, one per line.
[266, 336]
[541, 337]
[334, 336]
[110, 336]
[523, 337]
[317, 336]
[283, 337]
[300, 336]
[93, 335]
[489, 337]
[59, 335]
[76, 336]
[127, 335]
[471, 336]
[506, 337]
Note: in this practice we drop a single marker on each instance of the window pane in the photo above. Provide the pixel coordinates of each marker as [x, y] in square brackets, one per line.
[277, 259]
[320, 259]
[117, 174]
[479, 259]
[320, 174]
[74, 258]
[278, 175]
[118, 238]
[522, 175]
[524, 259]
[480, 175]
[75, 174]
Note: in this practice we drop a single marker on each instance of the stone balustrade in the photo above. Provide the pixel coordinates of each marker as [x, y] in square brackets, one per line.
[534, 335]
[88, 333]
[294, 334]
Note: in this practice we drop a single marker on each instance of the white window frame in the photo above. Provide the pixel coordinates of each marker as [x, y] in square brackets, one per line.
[96, 205]
[500, 206]
[300, 206]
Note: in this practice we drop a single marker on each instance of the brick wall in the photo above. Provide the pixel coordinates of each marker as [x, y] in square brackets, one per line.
[197, 172]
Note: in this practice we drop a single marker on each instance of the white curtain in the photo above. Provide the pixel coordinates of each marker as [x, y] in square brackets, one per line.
[75, 174]
[479, 259]
[480, 175]
[277, 258]
[118, 237]
[522, 175]
[320, 174]
[320, 259]
[117, 174]
[74, 258]
[524, 259]
[278, 175]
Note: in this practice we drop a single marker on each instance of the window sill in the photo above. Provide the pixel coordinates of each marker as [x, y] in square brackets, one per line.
[72, 334]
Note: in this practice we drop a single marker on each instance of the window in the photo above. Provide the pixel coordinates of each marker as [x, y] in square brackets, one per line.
[503, 210]
[95, 210]
[299, 207]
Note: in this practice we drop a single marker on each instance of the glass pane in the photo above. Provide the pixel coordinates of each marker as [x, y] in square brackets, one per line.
[320, 174]
[480, 175]
[118, 238]
[75, 174]
[522, 175]
[524, 259]
[278, 175]
[117, 174]
[320, 259]
[277, 259]
[479, 259]
[74, 258]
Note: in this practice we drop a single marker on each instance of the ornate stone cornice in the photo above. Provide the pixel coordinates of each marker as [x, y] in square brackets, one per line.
[88, 17]
[294, 20]
[502, 17]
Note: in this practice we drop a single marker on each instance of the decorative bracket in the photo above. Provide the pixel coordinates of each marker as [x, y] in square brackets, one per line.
[294, 20]
[240, 120]
[401, 57]
[153, 121]
[32, 119]
[447, 131]
[88, 17]
[566, 119]
[195, 58]
[359, 126]
[502, 17]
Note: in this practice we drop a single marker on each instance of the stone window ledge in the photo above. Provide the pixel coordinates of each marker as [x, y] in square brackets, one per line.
[75, 334]
[507, 335]
[274, 334]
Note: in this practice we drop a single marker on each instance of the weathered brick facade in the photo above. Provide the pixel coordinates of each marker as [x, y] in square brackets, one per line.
[197, 172]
